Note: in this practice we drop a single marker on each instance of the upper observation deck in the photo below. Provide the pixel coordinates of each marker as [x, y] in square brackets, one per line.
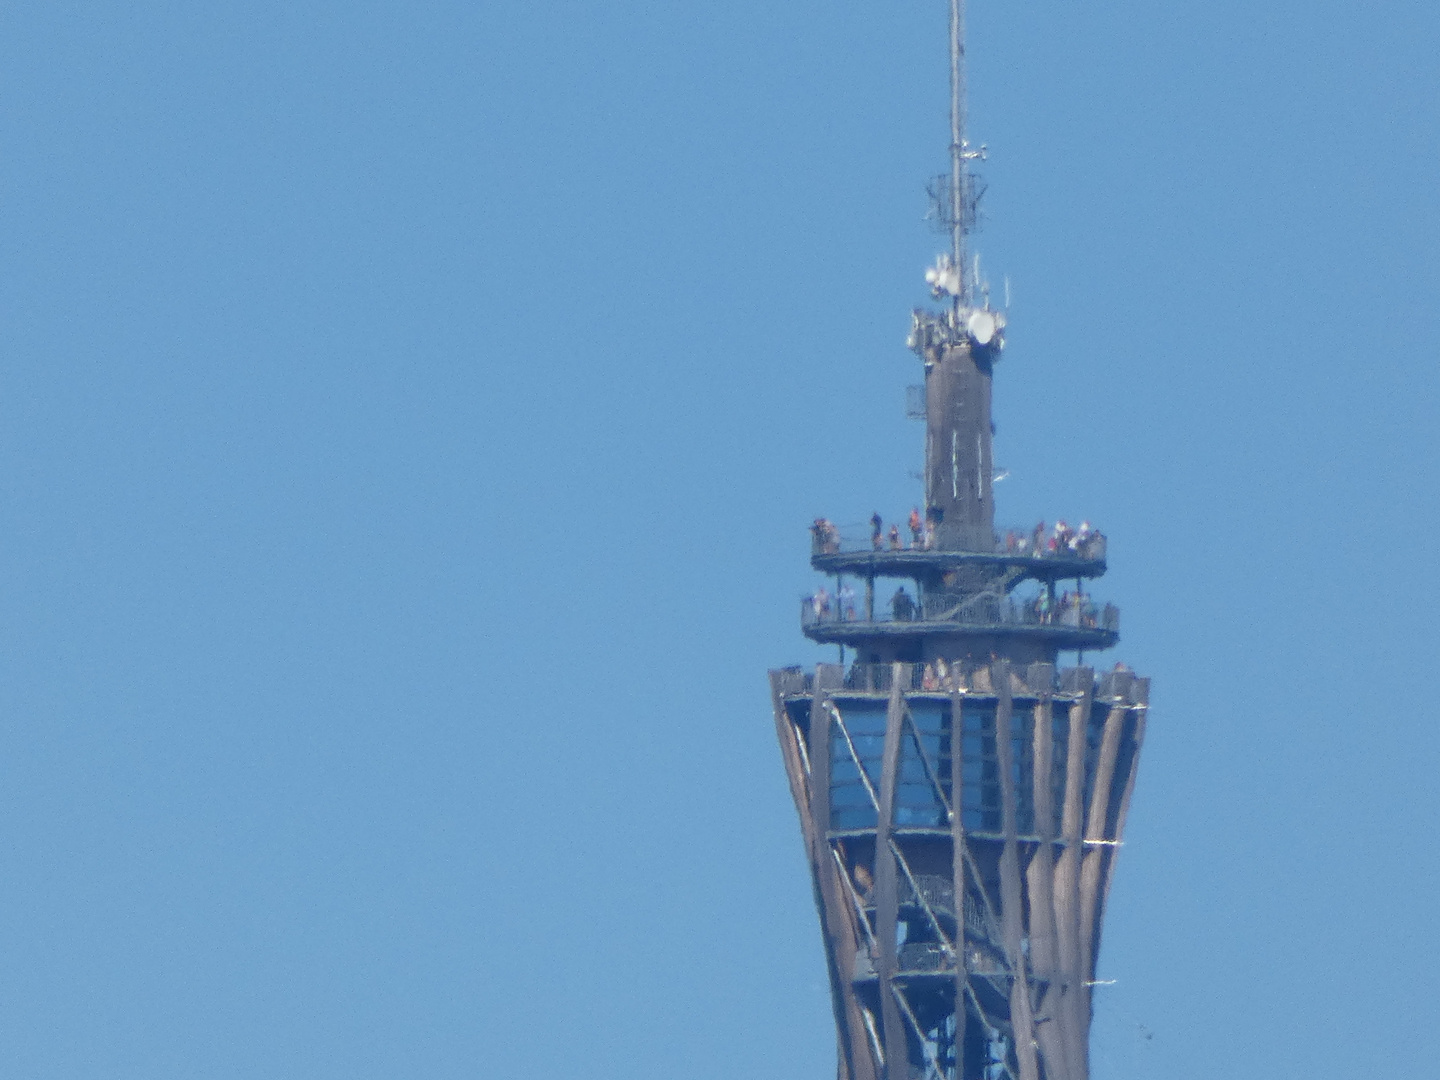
[1038, 553]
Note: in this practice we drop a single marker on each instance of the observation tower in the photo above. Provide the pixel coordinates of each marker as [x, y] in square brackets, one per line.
[962, 797]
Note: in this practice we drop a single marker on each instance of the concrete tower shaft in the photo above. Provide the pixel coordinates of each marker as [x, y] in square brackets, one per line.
[959, 464]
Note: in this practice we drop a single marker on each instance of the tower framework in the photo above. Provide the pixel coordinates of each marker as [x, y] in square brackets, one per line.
[962, 797]
[962, 841]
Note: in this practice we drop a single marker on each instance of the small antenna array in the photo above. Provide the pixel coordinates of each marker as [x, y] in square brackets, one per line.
[954, 209]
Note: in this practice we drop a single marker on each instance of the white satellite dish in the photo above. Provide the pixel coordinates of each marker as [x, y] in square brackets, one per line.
[943, 277]
[981, 326]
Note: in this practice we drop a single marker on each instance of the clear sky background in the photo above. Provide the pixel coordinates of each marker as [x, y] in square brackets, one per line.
[410, 415]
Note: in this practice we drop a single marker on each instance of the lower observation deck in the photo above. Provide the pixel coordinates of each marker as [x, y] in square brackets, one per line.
[1073, 628]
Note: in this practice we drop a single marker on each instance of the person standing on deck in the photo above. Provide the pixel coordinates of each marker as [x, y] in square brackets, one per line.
[902, 606]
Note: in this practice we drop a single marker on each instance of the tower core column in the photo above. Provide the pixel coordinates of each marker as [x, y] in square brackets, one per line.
[959, 466]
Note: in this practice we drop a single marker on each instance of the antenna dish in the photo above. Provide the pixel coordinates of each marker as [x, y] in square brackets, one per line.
[943, 278]
[981, 326]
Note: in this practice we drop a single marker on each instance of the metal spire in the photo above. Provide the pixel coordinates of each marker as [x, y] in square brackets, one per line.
[957, 146]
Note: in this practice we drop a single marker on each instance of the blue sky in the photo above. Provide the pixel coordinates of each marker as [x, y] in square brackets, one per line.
[409, 420]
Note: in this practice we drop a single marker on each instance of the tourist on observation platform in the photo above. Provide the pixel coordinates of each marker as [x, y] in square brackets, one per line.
[1037, 540]
[894, 537]
[916, 527]
[902, 606]
[846, 602]
[821, 604]
[876, 530]
[957, 675]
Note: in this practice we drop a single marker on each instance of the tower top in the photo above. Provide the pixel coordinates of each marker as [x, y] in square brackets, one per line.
[959, 149]
[969, 320]
[954, 198]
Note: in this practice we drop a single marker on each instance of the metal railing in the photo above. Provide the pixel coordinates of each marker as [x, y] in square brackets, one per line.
[931, 676]
[824, 609]
[967, 673]
[924, 956]
[1038, 543]
[936, 891]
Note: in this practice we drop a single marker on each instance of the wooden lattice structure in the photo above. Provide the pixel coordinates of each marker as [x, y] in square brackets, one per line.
[960, 899]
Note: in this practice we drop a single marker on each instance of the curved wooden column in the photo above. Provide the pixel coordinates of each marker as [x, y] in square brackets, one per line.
[1012, 903]
[1040, 879]
[1140, 711]
[797, 772]
[1069, 1009]
[837, 916]
[887, 899]
[1125, 724]
[957, 860]
[1098, 844]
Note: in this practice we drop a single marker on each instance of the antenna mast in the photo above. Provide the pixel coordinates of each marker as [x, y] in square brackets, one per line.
[957, 146]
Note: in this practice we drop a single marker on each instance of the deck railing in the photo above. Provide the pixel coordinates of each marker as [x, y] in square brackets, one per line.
[827, 538]
[974, 676]
[1083, 613]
